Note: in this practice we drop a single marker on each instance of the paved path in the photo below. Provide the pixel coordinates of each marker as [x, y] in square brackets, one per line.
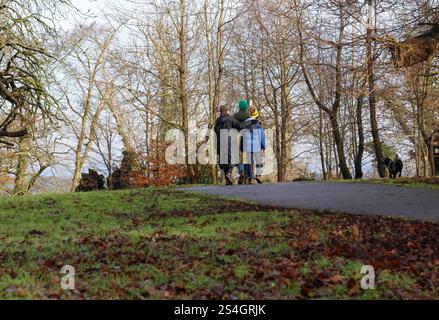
[357, 198]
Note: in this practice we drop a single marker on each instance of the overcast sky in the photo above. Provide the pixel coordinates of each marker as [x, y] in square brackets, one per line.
[93, 8]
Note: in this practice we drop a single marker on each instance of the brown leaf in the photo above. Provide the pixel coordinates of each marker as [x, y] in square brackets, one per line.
[305, 290]
[313, 236]
[35, 232]
[54, 281]
[295, 244]
[323, 275]
[355, 231]
[289, 273]
[54, 294]
[338, 233]
[378, 264]
[352, 286]
[259, 295]
[393, 263]
[218, 291]
[391, 253]
[411, 245]
[135, 222]
[335, 279]
[21, 292]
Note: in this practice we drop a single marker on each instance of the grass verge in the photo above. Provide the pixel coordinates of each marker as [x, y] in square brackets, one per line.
[165, 244]
[429, 183]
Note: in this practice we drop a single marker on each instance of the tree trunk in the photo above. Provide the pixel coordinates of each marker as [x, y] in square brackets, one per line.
[184, 99]
[277, 146]
[22, 163]
[337, 167]
[283, 136]
[372, 101]
[359, 155]
[340, 150]
[219, 77]
[321, 151]
[430, 155]
[338, 139]
[76, 175]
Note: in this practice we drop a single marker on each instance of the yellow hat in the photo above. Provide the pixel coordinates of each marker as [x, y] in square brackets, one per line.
[254, 112]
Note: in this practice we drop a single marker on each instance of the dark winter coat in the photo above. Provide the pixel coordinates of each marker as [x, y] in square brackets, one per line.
[241, 115]
[226, 121]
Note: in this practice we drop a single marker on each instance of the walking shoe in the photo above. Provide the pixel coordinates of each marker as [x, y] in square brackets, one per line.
[241, 180]
[258, 180]
[249, 181]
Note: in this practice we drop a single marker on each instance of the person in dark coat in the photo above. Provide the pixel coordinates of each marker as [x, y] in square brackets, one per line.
[242, 115]
[226, 122]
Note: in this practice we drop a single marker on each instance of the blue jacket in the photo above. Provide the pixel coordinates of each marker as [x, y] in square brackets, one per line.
[253, 138]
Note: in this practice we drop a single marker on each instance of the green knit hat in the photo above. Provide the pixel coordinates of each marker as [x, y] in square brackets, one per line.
[243, 105]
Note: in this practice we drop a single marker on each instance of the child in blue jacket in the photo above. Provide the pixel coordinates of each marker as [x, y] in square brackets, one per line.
[253, 145]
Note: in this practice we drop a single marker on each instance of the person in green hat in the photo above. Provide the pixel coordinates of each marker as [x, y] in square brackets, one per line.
[242, 115]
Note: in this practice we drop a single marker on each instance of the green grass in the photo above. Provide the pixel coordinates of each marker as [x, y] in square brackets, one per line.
[426, 183]
[160, 244]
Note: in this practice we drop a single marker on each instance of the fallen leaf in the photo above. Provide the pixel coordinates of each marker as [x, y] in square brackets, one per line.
[21, 292]
[355, 231]
[35, 232]
[352, 286]
[313, 236]
[54, 281]
[335, 279]
[290, 273]
[305, 290]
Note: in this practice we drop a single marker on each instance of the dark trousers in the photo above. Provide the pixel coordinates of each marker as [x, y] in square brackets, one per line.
[227, 170]
[248, 169]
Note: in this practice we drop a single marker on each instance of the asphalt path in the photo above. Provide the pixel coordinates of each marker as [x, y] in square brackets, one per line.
[354, 198]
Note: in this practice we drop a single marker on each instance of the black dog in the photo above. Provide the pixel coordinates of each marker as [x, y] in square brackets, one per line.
[394, 167]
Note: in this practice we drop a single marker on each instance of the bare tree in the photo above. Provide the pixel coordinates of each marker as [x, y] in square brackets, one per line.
[23, 57]
[84, 64]
[333, 110]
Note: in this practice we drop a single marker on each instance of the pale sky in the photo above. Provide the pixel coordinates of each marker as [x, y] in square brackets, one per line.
[93, 8]
[89, 5]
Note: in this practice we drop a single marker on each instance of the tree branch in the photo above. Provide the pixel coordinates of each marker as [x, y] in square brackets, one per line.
[14, 134]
